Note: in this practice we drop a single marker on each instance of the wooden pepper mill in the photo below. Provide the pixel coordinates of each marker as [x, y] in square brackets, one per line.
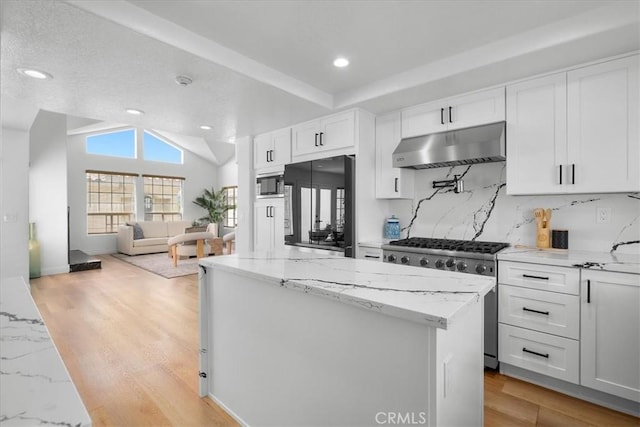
[543, 219]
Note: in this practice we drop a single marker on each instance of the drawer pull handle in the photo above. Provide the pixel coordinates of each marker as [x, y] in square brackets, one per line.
[546, 313]
[372, 256]
[546, 356]
[588, 291]
[528, 276]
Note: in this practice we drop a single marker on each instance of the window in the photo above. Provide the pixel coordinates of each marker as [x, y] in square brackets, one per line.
[158, 150]
[339, 209]
[231, 197]
[163, 198]
[110, 201]
[117, 144]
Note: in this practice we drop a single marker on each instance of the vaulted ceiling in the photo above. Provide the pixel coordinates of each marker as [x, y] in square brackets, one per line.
[261, 65]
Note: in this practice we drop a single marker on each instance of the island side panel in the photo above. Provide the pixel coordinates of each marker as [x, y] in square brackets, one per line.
[460, 372]
[283, 357]
[203, 326]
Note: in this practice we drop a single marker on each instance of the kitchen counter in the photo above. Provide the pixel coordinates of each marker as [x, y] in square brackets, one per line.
[428, 296]
[290, 337]
[621, 263]
[35, 387]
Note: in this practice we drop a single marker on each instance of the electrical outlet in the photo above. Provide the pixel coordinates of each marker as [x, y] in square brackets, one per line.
[603, 215]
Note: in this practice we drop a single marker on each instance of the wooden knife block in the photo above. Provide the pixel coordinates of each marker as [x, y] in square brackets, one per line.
[543, 241]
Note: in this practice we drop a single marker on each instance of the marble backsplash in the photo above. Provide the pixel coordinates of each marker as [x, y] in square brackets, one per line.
[483, 211]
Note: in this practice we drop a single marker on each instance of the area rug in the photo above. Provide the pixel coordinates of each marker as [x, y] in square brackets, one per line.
[161, 264]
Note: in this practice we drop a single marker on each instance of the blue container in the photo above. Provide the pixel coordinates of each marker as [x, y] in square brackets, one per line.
[392, 228]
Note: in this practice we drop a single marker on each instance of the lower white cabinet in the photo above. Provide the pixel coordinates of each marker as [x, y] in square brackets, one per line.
[610, 334]
[546, 354]
[268, 232]
[549, 312]
[369, 252]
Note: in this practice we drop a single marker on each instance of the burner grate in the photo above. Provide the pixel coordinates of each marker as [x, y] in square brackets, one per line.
[451, 245]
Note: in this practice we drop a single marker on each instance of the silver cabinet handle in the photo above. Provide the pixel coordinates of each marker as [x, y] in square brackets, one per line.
[396, 185]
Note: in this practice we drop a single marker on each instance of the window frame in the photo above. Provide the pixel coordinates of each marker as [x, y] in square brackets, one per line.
[231, 214]
[111, 131]
[121, 216]
[150, 215]
[164, 140]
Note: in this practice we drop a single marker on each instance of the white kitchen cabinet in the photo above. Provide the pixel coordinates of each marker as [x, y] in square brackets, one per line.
[538, 276]
[391, 183]
[268, 233]
[323, 136]
[603, 138]
[539, 318]
[368, 252]
[546, 354]
[575, 132]
[537, 135]
[271, 151]
[610, 333]
[454, 113]
[548, 312]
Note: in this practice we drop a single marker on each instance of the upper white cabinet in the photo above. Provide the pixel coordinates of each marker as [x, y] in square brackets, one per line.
[271, 151]
[603, 139]
[391, 183]
[575, 132]
[454, 113]
[324, 137]
[537, 135]
[610, 333]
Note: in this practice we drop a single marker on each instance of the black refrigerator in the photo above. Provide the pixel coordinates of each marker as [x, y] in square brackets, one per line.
[320, 204]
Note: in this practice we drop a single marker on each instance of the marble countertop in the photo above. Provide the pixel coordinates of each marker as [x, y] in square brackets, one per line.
[432, 297]
[35, 387]
[375, 243]
[621, 263]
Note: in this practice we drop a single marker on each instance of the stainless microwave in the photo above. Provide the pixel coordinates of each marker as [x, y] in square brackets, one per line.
[269, 185]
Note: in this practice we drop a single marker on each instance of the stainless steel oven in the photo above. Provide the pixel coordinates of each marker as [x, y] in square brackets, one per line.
[465, 256]
[269, 185]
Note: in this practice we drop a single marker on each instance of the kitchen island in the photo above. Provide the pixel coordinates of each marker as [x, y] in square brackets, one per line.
[303, 338]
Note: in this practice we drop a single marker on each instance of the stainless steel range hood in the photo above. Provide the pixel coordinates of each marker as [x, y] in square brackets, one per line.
[479, 144]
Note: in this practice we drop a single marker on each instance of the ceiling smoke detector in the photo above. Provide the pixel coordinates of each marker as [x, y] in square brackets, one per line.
[184, 80]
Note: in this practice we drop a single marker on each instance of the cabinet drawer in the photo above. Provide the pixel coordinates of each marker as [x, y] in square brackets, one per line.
[543, 353]
[545, 277]
[543, 311]
[373, 254]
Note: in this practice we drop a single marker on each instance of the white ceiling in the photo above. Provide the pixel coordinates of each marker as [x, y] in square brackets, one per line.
[262, 65]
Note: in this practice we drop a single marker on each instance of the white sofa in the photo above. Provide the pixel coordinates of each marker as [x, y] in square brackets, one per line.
[156, 235]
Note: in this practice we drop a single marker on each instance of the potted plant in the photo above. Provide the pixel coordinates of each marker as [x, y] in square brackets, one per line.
[215, 203]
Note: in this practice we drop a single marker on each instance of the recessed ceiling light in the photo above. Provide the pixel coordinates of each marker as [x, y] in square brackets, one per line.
[341, 62]
[206, 127]
[134, 111]
[35, 74]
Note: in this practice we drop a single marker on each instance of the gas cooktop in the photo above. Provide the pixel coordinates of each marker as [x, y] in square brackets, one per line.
[451, 245]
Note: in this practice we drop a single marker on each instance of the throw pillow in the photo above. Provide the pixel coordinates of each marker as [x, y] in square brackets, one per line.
[195, 229]
[137, 231]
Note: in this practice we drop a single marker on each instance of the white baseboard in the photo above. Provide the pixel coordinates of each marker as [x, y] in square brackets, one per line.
[228, 411]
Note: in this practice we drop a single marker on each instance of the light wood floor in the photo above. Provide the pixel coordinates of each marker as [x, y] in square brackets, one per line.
[129, 340]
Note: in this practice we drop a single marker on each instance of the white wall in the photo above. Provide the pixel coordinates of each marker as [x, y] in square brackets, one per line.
[246, 190]
[14, 203]
[228, 177]
[198, 173]
[48, 189]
